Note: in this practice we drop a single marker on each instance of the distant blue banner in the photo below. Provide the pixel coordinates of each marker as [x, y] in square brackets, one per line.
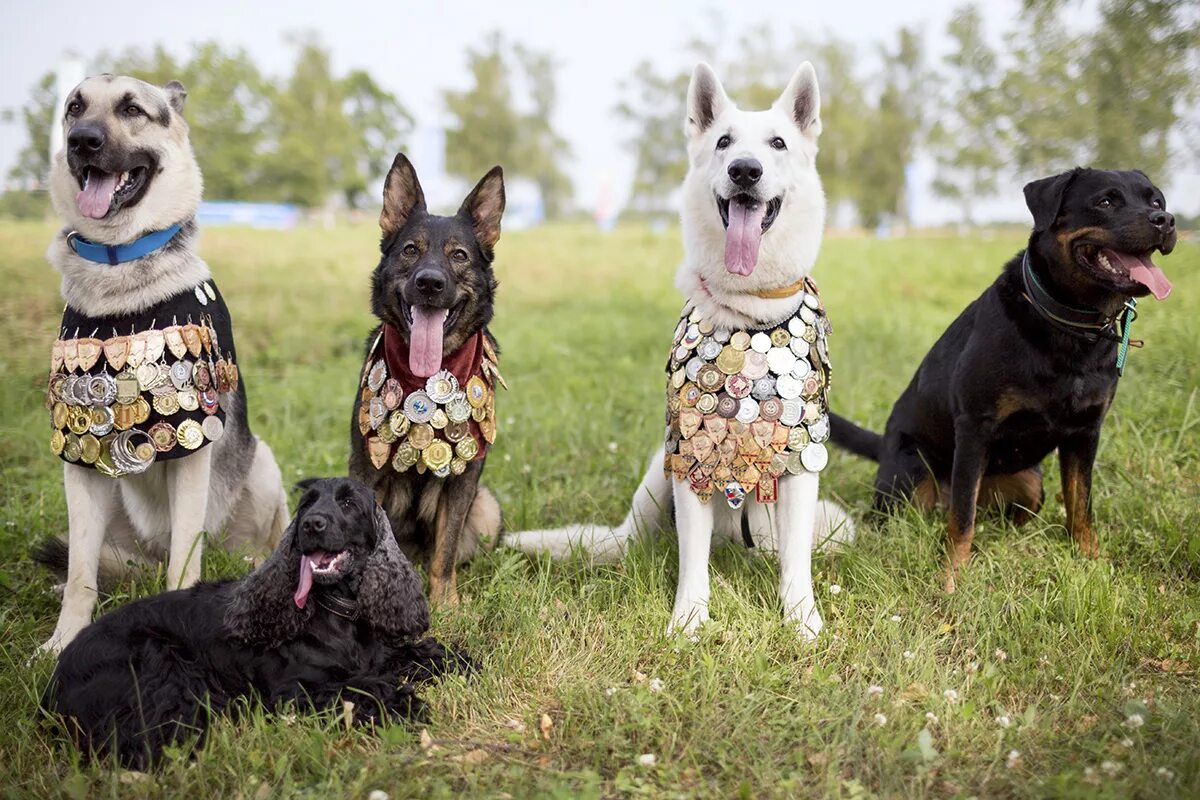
[255, 215]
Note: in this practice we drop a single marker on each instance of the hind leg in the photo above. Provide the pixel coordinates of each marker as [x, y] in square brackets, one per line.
[905, 476]
[1018, 496]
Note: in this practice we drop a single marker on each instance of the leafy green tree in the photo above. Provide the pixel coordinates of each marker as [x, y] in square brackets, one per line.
[37, 117]
[380, 123]
[654, 107]
[545, 150]
[968, 140]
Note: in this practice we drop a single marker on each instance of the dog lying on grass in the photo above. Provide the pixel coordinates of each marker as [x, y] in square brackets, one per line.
[336, 613]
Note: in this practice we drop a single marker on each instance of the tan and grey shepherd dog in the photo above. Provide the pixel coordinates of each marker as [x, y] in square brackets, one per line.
[748, 371]
[148, 411]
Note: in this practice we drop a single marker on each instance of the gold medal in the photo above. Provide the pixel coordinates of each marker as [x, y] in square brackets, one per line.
[364, 417]
[457, 466]
[205, 338]
[191, 339]
[439, 419]
[378, 451]
[780, 337]
[173, 337]
[477, 392]
[71, 450]
[89, 448]
[467, 449]
[479, 414]
[437, 455]
[57, 440]
[124, 416]
[420, 435]
[398, 423]
[141, 410]
[798, 438]
[406, 456]
[166, 404]
[78, 420]
[59, 415]
[488, 349]
[386, 434]
[189, 434]
[730, 360]
[488, 428]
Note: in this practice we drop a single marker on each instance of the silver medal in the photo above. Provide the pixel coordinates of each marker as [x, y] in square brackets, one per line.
[747, 410]
[788, 387]
[793, 410]
[441, 386]
[376, 411]
[418, 407]
[818, 429]
[780, 360]
[814, 457]
[760, 342]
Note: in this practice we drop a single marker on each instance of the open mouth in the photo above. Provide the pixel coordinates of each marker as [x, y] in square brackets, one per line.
[327, 564]
[319, 566]
[746, 219]
[103, 193]
[427, 327]
[1129, 273]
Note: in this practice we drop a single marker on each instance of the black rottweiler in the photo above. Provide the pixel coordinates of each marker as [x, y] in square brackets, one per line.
[1029, 367]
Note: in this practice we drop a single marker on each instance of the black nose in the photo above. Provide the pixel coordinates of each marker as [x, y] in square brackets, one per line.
[745, 172]
[430, 282]
[85, 138]
[1162, 220]
[314, 523]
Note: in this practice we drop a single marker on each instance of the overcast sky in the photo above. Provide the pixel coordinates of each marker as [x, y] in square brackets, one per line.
[415, 49]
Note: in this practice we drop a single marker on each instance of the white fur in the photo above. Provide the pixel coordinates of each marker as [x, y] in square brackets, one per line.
[798, 521]
[160, 514]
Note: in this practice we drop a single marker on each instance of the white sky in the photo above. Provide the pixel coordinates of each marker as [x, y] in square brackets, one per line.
[415, 49]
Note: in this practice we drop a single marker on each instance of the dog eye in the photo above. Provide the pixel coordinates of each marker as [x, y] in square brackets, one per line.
[1104, 202]
[778, 143]
[1156, 203]
[133, 111]
[724, 142]
[410, 249]
[74, 107]
[459, 255]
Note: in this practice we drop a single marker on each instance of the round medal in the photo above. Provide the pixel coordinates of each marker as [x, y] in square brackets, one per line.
[760, 342]
[457, 466]
[102, 421]
[467, 449]
[740, 340]
[792, 412]
[730, 360]
[71, 451]
[709, 349]
[421, 435]
[391, 393]
[819, 429]
[691, 336]
[189, 434]
[188, 399]
[812, 301]
[710, 377]
[798, 438]
[747, 410]
[181, 374]
[763, 388]
[738, 386]
[780, 337]
[213, 428]
[162, 434]
[707, 403]
[692, 370]
[439, 420]
[755, 366]
[377, 375]
[57, 440]
[437, 455]
[166, 404]
[771, 409]
[418, 407]
[788, 387]
[406, 455]
[780, 360]
[58, 415]
[814, 457]
[457, 431]
[721, 335]
[458, 409]
[78, 420]
[727, 406]
[441, 386]
[201, 377]
[399, 423]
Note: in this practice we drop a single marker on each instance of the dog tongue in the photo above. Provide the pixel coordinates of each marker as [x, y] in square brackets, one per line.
[305, 585]
[742, 236]
[96, 196]
[425, 344]
[1143, 270]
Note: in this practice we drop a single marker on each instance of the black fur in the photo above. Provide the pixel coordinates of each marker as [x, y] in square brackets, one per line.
[154, 672]
[1004, 387]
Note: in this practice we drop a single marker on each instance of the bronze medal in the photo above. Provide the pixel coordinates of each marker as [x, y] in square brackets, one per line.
[162, 434]
[201, 377]
[173, 337]
[221, 376]
[364, 418]
[89, 352]
[457, 431]
[378, 451]
[234, 376]
[116, 351]
[391, 393]
[716, 428]
[762, 431]
[421, 435]
[488, 429]
[702, 446]
[689, 422]
[747, 474]
[770, 409]
[488, 349]
[710, 378]
[205, 338]
[779, 440]
[71, 354]
[191, 339]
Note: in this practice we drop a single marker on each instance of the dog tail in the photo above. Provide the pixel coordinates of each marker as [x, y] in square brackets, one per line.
[834, 527]
[650, 501]
[116, 563]
[859, 441]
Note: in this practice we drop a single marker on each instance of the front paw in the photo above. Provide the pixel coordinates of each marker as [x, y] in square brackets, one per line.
[687, 620]
[807, 621]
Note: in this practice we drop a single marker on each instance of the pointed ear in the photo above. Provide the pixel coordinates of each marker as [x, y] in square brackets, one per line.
[176, 95]
[402, 196]
[389, 595]
[801, 101]
[484, 207]
[1044, 197]
[706, 100]
[261, 608]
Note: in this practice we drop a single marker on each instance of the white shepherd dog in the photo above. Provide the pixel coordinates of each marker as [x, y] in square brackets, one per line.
[753, 216]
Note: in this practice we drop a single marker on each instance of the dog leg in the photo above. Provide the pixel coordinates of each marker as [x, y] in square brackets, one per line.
[795, 520]
[457, 497]
[970, 454]
[91, 507]
[187, 492]
[1076, 457]
[694, 522]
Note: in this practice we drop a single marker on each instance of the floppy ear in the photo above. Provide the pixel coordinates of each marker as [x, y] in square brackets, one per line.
[176, 95]
[1044, 197]
[484, 207]
[389, 595]
[402, 195]
[801, 101]
[261, 608]
[706, 100]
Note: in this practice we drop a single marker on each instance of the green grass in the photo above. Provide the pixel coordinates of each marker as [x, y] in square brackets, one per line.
[1067, 649]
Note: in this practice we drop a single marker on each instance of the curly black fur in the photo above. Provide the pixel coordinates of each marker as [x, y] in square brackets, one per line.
[154, 672]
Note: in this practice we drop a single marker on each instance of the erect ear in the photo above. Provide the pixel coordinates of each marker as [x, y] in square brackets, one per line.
[1044, 197]
[261, 607]
[176, 95]
[389, 595]
[484, 207]
[402, 195]
[706, 100]
[801, 101]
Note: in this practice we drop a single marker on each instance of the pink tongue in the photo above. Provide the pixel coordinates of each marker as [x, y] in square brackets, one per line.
[425, 344]
[96, 196]
[305, 585]
[1152, 278]
[742, 237]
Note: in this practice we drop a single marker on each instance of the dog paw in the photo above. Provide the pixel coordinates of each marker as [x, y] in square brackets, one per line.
[808, 623]
[688, 621]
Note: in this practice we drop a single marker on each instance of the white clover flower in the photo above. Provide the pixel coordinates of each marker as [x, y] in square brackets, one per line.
[1134, 721]
[610, 691]
[950, 695]
[612, 447]
[1166, 773]
[1013, 759]
[647, 759]
[526, 469]
[1111, 767]
[655, 685]
[896, 618]
[508, 456]
[1000, 655]
[378, 794]
[931, 717]
[835, 589]
[874, 691]
[909, 655]
[881, 720]
[1127, 742]
[1003, 721]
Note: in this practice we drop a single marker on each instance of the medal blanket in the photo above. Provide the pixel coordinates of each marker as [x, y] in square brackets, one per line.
[437, 424]
[126, 391]
[745, 407]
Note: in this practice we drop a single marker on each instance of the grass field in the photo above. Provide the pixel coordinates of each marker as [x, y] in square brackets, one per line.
[1045, 675]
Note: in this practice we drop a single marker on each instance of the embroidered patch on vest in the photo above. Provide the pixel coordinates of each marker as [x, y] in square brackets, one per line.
[745, 407]
[150, 391]
[437, 424]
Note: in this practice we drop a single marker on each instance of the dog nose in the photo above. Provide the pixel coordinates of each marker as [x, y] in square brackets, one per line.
[314, 524]
[430, 282]
[745, 172]
[1162, 220]
[86, 138]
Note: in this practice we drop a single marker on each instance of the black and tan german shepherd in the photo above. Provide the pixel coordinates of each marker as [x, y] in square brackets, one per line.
[1028, 368]
[433, 293]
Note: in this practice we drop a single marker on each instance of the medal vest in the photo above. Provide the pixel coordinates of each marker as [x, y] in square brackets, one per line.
[126, 391]
[745, 407]
[435, 424]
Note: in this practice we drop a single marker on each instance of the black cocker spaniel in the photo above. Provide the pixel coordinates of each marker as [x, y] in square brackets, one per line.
[336, 613]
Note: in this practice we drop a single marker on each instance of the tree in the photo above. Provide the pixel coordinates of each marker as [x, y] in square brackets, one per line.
[655, 107]
[545, 149]
[968, 141]
[37, 117]
[381, 123]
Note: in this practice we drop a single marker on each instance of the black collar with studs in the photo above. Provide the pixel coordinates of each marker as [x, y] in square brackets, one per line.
[1089, 324]
[340, 607]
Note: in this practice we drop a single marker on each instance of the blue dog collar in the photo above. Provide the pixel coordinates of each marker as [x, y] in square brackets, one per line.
[114, 254]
